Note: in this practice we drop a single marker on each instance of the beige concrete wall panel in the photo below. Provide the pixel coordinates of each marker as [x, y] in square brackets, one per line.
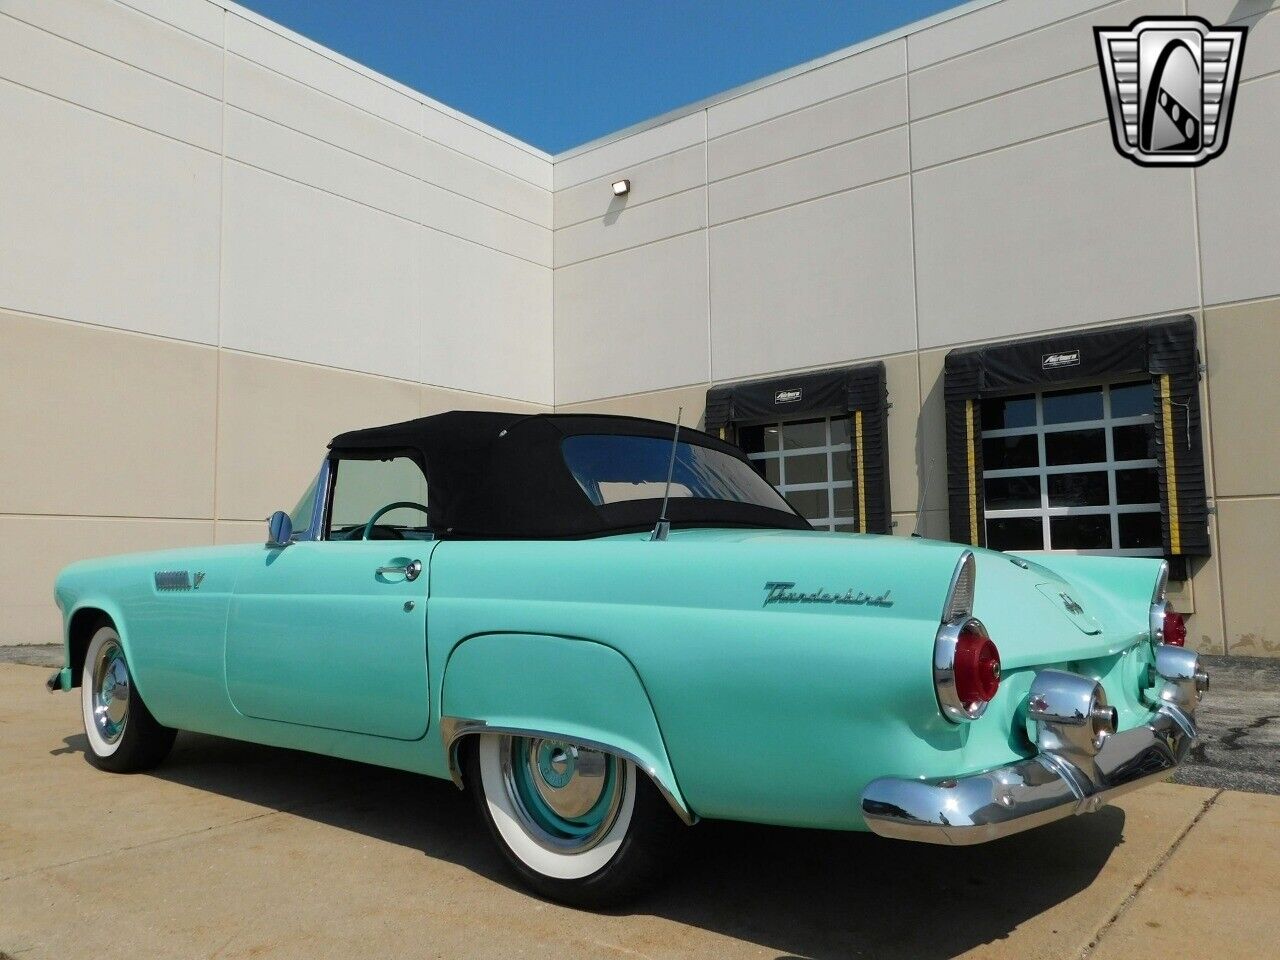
[463, 217]
[204, 19]
[1241, 345]
[291, 103]
[1025, 114]
[617, 155]
[658, 405]
[1028, 58]
[275, 419]
[132, 37]
[930, 441]
[64, 69]
[862, 69]
[314, 277]
[812, 285]
[486, 320]
[651, 180]
[844, 167]
[433, 400]
[275, 49]
[985, 26]
[102, 423]
[1059, 232]
[632, 322]
[106, 223]
[1238, 203]
[36, 548]
[902, 376]
[1248, 531]
[849, 117]
[279, 150]
[622, 227]
[472, 139]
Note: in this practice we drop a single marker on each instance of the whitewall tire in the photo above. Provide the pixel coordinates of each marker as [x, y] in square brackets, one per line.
[122, 734]
[578, 825]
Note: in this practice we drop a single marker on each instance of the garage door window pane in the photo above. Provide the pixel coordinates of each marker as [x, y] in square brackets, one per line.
[1133, 442]
[1091, 532]
[1131, 400]
[1012, 493]
[1015, 533]
[1007, 453]
[1079, 489]
[809, 468]
[1137, 486]
[1073, 406]
[812, 504]
[1005, 413]
[805, 433]
[1075, 446]
[1140, 530]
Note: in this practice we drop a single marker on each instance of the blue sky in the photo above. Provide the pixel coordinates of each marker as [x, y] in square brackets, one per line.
[557, 73]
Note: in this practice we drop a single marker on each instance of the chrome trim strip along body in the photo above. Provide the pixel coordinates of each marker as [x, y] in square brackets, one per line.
[1027, 794]
[453, 729]
[1159, 606]
[967, 564]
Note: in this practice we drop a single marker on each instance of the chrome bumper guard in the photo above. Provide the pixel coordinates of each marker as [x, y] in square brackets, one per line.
[1054, 784]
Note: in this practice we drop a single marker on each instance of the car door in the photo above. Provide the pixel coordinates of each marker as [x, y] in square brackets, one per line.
[331, 632]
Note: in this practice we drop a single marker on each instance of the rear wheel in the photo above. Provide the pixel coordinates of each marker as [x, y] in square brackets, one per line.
[123, 735]
[580, 826]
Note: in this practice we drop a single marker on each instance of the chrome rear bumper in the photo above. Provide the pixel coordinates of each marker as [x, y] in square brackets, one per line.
[1028, 794]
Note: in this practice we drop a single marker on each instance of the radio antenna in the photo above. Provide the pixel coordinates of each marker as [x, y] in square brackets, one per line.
[663, 526]
[928, 472]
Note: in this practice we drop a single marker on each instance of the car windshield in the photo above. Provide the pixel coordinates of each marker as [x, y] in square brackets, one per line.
[611, 468]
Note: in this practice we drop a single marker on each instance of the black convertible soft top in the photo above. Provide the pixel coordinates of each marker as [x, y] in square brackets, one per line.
[504, 476]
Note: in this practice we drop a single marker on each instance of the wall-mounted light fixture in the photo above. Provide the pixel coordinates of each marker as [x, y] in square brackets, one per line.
[621, 188]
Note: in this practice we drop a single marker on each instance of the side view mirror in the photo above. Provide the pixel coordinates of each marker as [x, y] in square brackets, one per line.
[279, 529]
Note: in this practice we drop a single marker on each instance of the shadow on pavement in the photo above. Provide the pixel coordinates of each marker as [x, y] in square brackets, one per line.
[798, 892]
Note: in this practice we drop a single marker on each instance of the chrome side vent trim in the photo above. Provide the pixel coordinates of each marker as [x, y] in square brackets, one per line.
[173, 580]
[959, 603]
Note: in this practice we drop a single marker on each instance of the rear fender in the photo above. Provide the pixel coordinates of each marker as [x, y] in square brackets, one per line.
[572, 689]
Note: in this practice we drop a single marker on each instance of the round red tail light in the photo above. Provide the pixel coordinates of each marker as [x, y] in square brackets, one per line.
[977, 666]
[1175, 629]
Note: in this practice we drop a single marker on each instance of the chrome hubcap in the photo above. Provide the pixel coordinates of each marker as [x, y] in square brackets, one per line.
[110, 692]
[565, 796]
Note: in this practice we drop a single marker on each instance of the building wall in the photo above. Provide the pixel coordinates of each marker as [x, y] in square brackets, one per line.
[950, 186]
[221, 245]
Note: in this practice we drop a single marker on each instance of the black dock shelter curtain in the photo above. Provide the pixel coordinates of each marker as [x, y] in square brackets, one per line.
[859, 391]
[1165, 350]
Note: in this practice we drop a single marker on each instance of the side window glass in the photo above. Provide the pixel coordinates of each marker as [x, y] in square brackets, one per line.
[364, 489]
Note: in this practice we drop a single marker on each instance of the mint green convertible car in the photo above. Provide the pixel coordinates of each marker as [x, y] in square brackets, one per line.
[605, 628]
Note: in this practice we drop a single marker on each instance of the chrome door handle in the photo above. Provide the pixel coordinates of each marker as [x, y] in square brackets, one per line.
[410, 570]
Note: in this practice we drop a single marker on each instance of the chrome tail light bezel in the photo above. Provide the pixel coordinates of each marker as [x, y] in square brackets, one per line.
[944, 671]
[957, 618]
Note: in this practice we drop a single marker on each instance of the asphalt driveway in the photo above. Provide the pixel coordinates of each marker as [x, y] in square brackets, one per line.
[233, 850]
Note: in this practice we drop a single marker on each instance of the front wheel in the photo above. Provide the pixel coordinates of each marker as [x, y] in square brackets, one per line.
[123, 735]
[579, 826]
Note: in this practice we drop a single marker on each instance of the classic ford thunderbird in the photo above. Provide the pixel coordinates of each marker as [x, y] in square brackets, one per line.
[606, 628]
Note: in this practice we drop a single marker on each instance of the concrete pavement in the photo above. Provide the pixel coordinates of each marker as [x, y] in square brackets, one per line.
[234, 851]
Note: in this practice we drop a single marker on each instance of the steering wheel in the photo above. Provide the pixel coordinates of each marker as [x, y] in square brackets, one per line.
[399, 504]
